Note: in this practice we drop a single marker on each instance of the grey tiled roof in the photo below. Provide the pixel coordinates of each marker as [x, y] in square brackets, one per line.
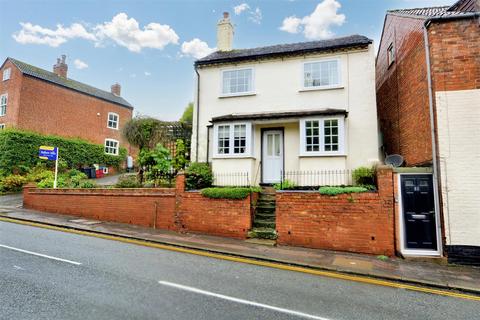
[431, 12]
[45, 75]
[284, 49]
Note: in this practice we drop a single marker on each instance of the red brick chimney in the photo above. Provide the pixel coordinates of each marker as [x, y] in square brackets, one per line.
[115, 89]
[61, 67]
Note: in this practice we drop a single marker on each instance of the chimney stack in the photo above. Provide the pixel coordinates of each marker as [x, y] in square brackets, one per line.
[61, 68]
[225, 33]
[115, 89]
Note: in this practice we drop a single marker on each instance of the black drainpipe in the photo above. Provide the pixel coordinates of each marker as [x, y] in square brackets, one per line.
[198, 115]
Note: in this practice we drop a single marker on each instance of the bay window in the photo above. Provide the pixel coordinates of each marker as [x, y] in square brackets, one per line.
[322, 136]
[232, 140]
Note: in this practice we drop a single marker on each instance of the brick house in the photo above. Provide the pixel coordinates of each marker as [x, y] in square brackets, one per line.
[299, 107]
[50, 103]
[428, 101]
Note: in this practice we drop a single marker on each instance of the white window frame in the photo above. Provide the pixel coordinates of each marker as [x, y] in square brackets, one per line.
[7, 74]
[390, 54]
[231, 154]
[117, 149]
[235, 94]
[2, 126]
[334, 86]
[341, 137]
[6, 104]
[117, 122]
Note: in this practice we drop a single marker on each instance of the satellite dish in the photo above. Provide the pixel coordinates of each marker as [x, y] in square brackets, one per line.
[395, 160]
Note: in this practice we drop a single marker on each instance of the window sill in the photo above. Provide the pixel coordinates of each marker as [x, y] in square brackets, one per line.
[246, 94]
[217, 157]
[320, 155]
[321, 88]
[112, 128]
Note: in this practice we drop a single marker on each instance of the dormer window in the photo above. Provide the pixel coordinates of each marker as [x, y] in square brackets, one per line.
[237, 82]
[6, 74]
[112, 120]
[390, 54]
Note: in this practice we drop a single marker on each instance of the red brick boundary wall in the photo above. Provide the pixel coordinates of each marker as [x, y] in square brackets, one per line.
[362, 222]
[169, 208]
[143, 207]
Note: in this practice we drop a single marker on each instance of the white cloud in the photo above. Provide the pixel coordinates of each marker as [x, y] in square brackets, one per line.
[256, 16]
[291, 24]
[240, 8]
[126, 32]
[35, 34]
[196, 48]
[79, 64]
[147, 74]
[122, 30]
[318, 24]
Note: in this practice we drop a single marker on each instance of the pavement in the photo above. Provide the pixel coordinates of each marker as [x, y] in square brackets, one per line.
[463, 278]
[49, 274]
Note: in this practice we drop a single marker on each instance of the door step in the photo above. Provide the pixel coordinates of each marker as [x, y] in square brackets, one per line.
[263, 242]
[263, 233]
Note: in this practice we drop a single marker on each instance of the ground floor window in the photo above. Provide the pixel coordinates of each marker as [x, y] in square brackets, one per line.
[322, 136]
[232, 139]
[111, 146]
[2, 126]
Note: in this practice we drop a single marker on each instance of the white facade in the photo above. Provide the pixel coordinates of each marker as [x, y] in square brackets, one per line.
[277, 85]
[458, 122]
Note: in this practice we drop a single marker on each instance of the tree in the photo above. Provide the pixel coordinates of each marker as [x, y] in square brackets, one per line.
[179, 160]
[187, 116]
[145, 132]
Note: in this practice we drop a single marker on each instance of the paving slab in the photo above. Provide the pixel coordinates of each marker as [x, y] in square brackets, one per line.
[464, 278]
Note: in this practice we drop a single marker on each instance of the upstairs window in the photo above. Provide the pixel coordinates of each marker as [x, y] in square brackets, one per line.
[232, 139]
[111, 146]
[322, 136]
[321, 74]
[390, 54]
[237, 82]
[6, 74]
[3, 104]
[112, 120]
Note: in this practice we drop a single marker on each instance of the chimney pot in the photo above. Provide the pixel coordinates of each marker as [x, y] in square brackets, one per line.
[61, 68]
[116, 89]
[225, 33]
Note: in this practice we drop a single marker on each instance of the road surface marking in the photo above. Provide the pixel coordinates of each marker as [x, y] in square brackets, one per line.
[237, 300]
[40, 255]
[252, 261]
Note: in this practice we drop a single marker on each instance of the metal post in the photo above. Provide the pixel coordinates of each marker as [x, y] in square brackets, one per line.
[56, 170]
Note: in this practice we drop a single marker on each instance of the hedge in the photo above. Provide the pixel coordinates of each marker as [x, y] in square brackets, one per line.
[19, 151]
[228, 192]
[333, 191]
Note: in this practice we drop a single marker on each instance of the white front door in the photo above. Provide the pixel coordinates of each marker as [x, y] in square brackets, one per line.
[272, 157]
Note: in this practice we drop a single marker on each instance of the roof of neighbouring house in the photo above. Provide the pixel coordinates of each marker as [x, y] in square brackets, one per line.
[48, 76]
[434, 12]
[278, 115]
[284, 50]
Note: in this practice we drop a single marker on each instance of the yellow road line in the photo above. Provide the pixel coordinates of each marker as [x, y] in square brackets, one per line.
[330, 274]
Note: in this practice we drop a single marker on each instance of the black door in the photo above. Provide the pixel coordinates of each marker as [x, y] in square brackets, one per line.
[419, 212]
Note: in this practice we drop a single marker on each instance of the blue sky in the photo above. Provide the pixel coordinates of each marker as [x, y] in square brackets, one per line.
[149, 47]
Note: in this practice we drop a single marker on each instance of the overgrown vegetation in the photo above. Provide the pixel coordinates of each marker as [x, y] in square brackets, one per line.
[128, 181]
[228, 192]
[364, 176]
[332, 191]
[285, 185]
[19, 152]
[198, 176]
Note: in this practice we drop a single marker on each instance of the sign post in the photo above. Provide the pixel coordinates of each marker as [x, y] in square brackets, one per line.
[50, 153]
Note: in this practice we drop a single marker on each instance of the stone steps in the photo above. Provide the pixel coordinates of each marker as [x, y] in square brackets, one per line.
[264, 219]
[263, 233]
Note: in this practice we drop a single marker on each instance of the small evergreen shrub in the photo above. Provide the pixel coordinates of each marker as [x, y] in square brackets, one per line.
[332, 191]
[364, 176]
[87, 185]
[198, 176]
[227, 192]
[128, 182]
[12, 183]
[285, 185]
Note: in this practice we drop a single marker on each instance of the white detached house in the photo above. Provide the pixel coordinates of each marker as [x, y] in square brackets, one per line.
[303, 106]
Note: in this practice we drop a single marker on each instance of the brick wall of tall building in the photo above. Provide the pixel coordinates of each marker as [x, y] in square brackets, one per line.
[12, 88]
[402, 91]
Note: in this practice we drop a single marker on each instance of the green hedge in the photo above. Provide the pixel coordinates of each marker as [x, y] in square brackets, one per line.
[332, 191]
[19, 151]
[228, 192]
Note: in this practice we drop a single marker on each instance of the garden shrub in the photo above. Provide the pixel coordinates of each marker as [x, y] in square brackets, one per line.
[48, 182]
[86, 184]
[198, 176]
[19, 152]
[364, 176]
[285, 185]
[179, 161]
[39, 173]
[332, 191]
[129, 181]
[227, 192]
[12, 183]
